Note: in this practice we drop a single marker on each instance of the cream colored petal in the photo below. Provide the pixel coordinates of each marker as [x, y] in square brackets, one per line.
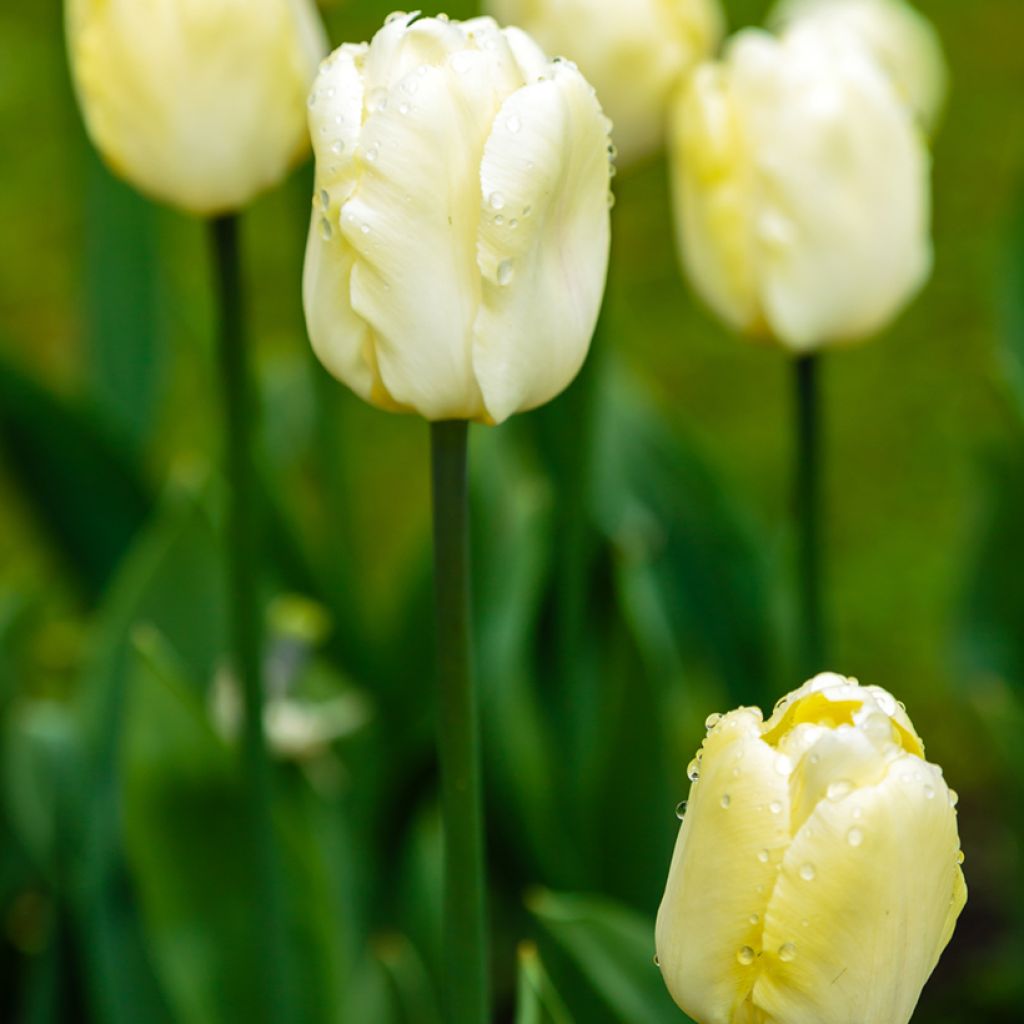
[197, 104]
[405, 43]
[713, 188]
[413, 222]
[842, 237]
[734, 833]
[544, 241]
[863, 891]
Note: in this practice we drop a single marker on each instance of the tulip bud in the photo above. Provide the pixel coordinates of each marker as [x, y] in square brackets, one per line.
[459, 243]
[635, 54]
[816, 876]
[897, 35]
[802, 189]
[198, 103]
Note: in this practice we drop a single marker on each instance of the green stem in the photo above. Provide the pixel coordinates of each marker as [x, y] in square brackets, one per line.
[465, 938]
[808, 506]
[246, 621]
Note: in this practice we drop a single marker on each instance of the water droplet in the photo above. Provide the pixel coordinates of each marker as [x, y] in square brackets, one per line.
[527, 210]
[814, 759]
[657, 962]
[497, 201]
[886, 703]
[377, 100]
[775, 807]
[855, 836]
[693, 771]
[762, 856]
[807, 872]
[325, 199]
[513, 223]
[394, 16]
[365, 228]
[929, 792]
[443, 18]
[755, 918]
[311, 100]
[403, 109]
[712, 720]
[506, 268]
[960, 856]
[325, 229]
[372, 153]
[611, 200]
[725, 801]
[513, 124]
[783, 765]
[838, 790]
[954, 798]
[787, 952]
[745, 955]
[337, 147]
[681, 810]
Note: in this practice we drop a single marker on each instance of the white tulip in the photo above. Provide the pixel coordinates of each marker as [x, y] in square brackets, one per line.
[802, 189]
[635, 53]
[459, 243]
[198, 103]
[816, 878]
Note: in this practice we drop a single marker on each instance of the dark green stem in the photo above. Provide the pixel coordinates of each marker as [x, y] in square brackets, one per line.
[465, 928]
[246, 622]
[808, 508]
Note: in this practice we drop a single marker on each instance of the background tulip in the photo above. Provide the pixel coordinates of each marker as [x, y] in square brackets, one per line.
[198, 103]
[635, 54]
[900, 38]
[790, 223]
[816, 875]
[459, 242]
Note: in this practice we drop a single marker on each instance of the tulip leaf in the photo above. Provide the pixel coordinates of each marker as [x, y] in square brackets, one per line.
[83, 488]
[124, 329]
[537, 1002]
[613, 947]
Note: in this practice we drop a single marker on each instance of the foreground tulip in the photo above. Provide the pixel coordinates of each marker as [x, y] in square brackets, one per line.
[197, 103]
[802, 189]
[459, 242]
[634, 54]
[898, 36]
[816, 877]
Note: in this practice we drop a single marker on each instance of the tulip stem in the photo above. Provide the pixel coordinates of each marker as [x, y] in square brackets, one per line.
[245, 620]
[808, 508]
[466, 953]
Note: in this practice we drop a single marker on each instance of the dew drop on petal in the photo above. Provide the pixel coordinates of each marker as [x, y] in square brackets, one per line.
[712, 720]
[755, 918]
[783, 765]
[681, 810]
[775, 807]
[325, 198]
[787, 952]
[855, 836]
[497, 201]
[499, 220]
[838, 790]
[693, 770]
[325, 229]
[762, 856]
[725, 801]
[807, 872]
[506, 268]
[657, 962]
[513, 124]
[745, 955]
[954, 798]
[337, 147]
[513, 223]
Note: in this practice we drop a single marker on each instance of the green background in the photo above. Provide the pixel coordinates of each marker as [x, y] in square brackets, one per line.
[109, 501]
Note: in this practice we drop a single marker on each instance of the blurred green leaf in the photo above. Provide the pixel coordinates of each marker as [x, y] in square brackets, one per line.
[124, 331]
[537, 1002]
[84, 490]
[991, 639]
[614, 949]
[1013, 310]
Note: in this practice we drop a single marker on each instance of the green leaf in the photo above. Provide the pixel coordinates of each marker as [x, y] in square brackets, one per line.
[1013, 311]
[537, 1002]
[84, 490]
[613, 948]
[124, 328]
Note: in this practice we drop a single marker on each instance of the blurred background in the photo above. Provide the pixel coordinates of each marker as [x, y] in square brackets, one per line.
[123, 890]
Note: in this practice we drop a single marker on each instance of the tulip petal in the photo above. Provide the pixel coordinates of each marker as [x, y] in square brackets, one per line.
[413, 223]
[733, 835]
[863, 890]
[544, 241]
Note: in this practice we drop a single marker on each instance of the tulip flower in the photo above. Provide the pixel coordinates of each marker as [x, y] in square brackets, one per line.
[197, 103]
[636, 54]
[897, 35]
[816, 878]
[802, 189]
[460, 233]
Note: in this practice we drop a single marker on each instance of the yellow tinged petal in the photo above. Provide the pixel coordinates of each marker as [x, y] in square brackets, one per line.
[544, 242]
[862, 892]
